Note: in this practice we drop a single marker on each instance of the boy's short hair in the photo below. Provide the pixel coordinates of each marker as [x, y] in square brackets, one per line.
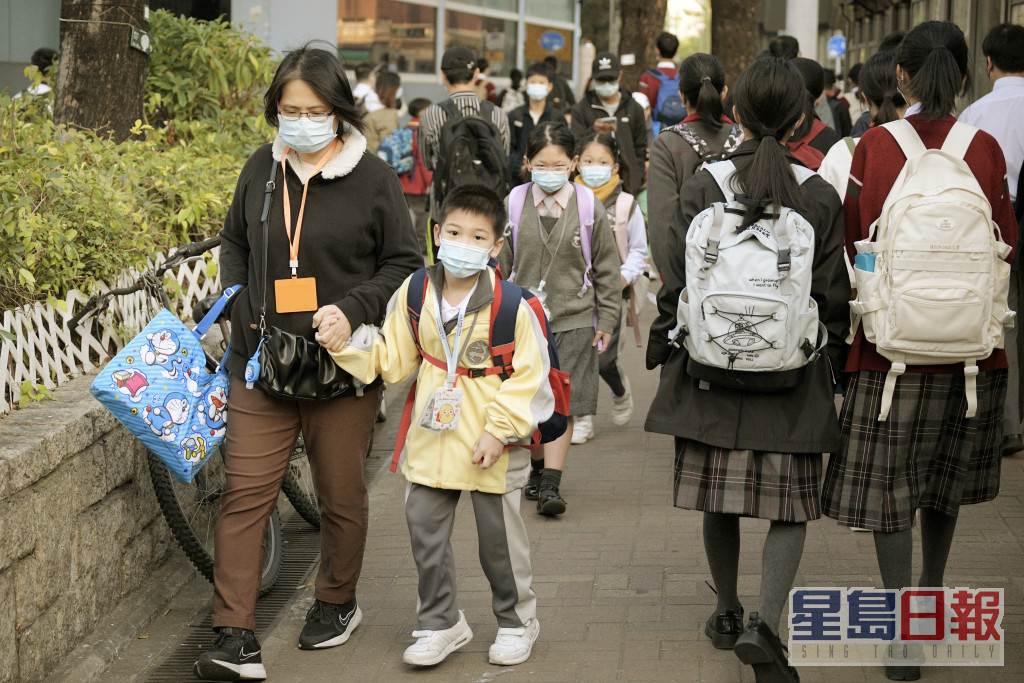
[784, 47]
[478, 199]
[539, 69]
[667, 45]
[1004, 44]
[363, 71]
[417, 106]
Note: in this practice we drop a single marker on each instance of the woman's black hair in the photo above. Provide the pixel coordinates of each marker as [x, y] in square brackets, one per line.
[608, 142]
[770, 97]
[388, 83]
[878, 84]
[935, 57]
[549, 133]
[701, 80]
[322, 71]
[515, 77]
[814, 84]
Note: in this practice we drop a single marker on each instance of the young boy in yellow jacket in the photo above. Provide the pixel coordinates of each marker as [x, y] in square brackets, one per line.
[466, 431]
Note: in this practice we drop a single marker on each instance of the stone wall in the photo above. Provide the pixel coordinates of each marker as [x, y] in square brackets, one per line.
[79, 526]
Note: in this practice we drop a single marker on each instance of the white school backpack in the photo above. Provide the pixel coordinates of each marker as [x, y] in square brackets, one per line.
[931, 276]
[746, 315]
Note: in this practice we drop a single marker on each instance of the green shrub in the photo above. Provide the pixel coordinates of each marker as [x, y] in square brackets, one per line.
[76, 208]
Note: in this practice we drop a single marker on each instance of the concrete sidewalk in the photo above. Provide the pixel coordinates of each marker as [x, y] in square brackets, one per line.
[620, 578]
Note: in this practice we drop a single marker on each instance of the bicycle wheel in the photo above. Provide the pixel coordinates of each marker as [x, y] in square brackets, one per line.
[191, 512]
[298, 485]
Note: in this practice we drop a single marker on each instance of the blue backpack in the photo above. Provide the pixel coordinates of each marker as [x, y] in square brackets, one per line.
[396, 149]
[504, 310]
[669, 109]
[159, 388]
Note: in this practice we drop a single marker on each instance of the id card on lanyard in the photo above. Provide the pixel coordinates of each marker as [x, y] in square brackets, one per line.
[445, 406]
[297, 294]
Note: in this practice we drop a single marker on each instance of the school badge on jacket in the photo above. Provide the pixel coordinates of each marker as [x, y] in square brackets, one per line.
[159, 388]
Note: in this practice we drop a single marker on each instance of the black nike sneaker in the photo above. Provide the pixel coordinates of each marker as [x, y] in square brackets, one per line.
[328, 625]
[235, 656]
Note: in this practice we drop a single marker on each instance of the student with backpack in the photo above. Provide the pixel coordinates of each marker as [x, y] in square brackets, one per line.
[464, 139]
[471, 422]
[813, 139]
[401, 149]
[921, 424]
[704, 136]
[748, 398]
[609, 108]
[603, 171]
[536, 111]
[560, 246]
[381, 122]
[514, 96]
[661, 85]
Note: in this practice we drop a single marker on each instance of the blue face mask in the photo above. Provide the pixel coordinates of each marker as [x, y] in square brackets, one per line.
[306, 136]
[596, 176]
[549, 181]
[462, 260]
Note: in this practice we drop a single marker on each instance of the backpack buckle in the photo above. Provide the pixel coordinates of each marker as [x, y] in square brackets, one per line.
[784, 261]
[476, 373]
[711, 253]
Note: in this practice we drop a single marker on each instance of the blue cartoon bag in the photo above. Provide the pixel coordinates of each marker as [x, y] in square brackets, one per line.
[159, 388]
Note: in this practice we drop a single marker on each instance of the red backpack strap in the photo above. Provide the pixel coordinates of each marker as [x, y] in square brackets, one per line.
[504, 310]
[403, 427]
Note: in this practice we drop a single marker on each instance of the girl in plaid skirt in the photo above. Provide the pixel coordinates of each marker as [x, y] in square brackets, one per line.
[742, 453]
[927, 455]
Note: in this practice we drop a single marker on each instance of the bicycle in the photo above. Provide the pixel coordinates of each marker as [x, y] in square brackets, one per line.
[191, 509]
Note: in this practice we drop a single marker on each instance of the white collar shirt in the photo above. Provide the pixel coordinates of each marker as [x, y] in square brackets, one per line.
[998, 114]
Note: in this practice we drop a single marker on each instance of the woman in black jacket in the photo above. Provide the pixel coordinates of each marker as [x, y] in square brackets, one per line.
[741, 453]
[339, 243]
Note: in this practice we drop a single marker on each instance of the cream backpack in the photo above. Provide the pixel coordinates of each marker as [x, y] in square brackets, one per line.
[931, 276]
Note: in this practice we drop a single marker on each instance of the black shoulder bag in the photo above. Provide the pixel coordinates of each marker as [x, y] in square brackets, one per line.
[292, 366]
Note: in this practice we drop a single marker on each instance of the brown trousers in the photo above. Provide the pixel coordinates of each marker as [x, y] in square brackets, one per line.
[260, 436]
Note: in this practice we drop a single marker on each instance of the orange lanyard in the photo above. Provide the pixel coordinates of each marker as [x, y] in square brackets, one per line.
[293, 243]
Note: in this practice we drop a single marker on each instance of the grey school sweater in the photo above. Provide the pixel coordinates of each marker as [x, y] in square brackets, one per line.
[569, 309]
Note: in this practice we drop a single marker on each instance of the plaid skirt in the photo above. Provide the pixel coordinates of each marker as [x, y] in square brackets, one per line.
[777, 486]
[926, 455]
[577, 357]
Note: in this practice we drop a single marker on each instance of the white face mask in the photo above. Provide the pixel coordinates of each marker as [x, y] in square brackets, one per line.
[536, 91]
[304, 135]
[607, 90]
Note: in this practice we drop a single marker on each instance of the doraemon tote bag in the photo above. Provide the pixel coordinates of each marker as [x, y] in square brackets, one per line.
[159, 388]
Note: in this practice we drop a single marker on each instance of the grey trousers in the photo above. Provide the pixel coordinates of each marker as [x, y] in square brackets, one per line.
[1011, 414]
[504, 555]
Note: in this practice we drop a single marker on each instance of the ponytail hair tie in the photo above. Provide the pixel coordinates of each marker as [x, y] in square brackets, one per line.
[770, 133]
[705, 78]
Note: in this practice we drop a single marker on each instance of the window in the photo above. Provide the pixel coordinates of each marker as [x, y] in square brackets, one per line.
[490, 37]
[507, 5]
[559, 10]
[399, 33]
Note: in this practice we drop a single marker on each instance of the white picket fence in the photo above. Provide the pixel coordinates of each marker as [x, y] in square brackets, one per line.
[44, 351]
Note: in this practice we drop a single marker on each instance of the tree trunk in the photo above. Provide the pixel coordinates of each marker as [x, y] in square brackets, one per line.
[101, 79]
[734, 34]
[642, 21]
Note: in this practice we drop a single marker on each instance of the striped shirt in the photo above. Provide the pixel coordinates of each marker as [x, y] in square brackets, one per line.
[433, 119]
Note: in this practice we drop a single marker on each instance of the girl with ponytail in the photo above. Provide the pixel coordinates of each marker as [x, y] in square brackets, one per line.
[742, 453]
[704, 135]
[927, 455]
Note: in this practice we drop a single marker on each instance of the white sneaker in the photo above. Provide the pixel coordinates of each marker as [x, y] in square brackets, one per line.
[582, 429]
[431, 647]
[622, 406]
[514, 645]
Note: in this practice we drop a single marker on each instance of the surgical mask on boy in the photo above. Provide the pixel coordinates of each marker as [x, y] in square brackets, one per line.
[549, 181]
[462, 260]
[596, 176]
[304, 135]
[607, 90]
[536, 91]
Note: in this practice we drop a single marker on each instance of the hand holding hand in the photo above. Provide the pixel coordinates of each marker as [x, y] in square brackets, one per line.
[333, 328]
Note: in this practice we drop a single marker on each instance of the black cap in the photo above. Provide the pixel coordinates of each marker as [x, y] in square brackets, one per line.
[458, 57]
[606, 65]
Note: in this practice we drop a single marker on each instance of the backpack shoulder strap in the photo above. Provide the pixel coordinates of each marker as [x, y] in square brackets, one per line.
[504, 310]
[851, 144]
[585, 208]
[958, 139]
[415, 296]
[516, 203]
[721, 171]
[906, 137]
[802, 173]
[451, 109]
[623, 205]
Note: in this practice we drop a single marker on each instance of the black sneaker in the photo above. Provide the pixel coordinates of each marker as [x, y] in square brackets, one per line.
[532, 489]
[549, 502]
[235, 656]
[328, 625]
[724, 628]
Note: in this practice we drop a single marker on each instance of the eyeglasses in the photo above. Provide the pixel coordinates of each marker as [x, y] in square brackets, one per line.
[317, 116]
[550, 169]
